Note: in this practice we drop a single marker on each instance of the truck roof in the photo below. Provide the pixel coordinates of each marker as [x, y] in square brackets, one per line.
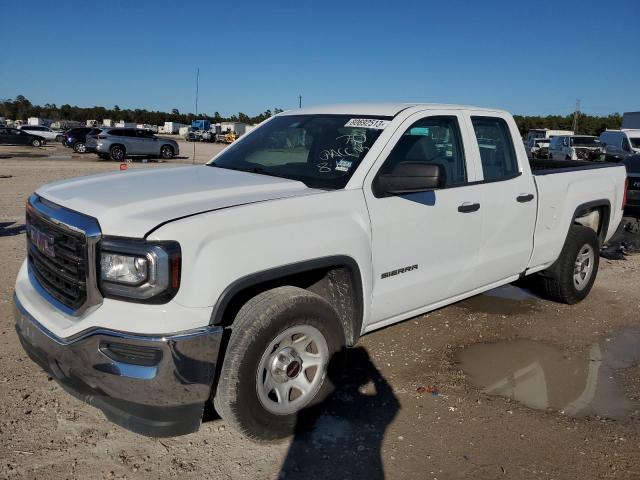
[378, 109]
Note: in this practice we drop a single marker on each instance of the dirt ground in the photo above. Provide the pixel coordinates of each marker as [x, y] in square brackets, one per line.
[404, 407]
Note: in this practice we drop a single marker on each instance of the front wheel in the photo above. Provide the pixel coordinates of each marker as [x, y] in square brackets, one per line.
[36, 143]
[117, 153]
[79, 147]
[573, 274]
[276, 361]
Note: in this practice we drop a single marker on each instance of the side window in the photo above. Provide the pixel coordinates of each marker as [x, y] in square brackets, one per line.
[116, 133]
[497, 154]
[433, 140]
[144, 133]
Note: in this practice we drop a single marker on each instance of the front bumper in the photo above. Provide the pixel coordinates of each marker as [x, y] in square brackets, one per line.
[154, 395]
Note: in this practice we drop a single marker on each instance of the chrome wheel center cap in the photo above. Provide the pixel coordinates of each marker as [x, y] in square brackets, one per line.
[286, 365]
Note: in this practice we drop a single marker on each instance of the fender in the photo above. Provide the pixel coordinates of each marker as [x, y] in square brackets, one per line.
[273, 274]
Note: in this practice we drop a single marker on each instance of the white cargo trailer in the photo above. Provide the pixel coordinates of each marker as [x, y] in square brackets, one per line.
[173, 127]
[123, 124]
[236, 127]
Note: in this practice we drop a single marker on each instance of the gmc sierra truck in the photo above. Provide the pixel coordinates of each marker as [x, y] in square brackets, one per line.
[148, 293]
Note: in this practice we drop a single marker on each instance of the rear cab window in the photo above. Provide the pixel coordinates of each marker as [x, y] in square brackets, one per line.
[497, 152]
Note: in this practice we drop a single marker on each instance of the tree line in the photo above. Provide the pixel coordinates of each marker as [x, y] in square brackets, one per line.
[21, 108]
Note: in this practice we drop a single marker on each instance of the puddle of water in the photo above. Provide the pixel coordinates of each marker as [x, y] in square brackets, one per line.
[544, 377]
[505, 300]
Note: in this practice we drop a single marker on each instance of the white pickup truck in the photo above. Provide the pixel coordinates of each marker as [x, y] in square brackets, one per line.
[150, 292]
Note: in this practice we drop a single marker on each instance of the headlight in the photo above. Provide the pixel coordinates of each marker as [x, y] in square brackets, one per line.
[137, 270]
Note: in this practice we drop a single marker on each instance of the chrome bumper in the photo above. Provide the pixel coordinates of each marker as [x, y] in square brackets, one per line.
[152, 385]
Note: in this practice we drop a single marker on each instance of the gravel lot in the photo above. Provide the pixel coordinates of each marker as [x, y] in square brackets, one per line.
[404, 406]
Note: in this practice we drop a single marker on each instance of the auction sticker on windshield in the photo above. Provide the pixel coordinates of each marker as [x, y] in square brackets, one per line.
[367, 123]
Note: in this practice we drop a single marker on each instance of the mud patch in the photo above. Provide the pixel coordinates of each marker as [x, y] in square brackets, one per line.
[545, 377]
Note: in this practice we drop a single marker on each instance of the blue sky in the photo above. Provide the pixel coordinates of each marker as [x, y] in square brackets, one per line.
[527, 57]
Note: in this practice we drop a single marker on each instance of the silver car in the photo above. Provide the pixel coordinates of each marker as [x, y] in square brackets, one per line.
[120, 143]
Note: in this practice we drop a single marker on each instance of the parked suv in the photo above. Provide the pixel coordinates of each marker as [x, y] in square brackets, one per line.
[43, 131]
[76, 138]
[575, 147]
[619, 144]
[120, 143]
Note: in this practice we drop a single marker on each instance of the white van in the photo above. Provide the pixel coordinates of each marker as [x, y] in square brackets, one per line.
[619, 144]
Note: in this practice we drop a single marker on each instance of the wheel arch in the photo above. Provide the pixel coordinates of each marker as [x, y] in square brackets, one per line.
[337, 279]
[582, 211]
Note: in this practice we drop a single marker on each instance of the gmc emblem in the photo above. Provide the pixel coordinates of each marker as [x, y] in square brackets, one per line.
[42, 241]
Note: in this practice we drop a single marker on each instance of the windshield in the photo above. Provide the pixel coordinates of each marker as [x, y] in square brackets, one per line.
[542, 142]
[321, 151]
[585, 142]
[635, 142]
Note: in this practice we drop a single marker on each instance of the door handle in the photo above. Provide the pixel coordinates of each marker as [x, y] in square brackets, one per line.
[469, 207]
[524, 197]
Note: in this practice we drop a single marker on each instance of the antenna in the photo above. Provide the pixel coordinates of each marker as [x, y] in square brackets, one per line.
[197, 91]
[299, 101]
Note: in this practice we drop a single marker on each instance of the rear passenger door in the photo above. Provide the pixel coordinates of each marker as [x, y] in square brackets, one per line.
[147, 143]
[509, 203]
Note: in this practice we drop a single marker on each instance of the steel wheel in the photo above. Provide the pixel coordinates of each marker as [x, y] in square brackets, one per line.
[583, 267]
[292, 369]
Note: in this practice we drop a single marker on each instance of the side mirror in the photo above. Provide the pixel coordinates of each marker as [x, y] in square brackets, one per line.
[412, 177]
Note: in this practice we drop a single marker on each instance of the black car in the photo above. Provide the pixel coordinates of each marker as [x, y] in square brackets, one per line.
[632, 207]
[13, 136]
[76, 138]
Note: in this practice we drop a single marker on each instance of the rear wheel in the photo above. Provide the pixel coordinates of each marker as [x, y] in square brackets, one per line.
[118, 153]
[573, 274]
[79, 147]
[166, 152]
[59, 138]
[276, 361]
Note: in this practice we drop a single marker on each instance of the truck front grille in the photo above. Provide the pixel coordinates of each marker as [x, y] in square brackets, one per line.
[61, 256]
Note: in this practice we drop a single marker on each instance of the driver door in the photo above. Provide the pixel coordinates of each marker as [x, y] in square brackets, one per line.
[425, 245]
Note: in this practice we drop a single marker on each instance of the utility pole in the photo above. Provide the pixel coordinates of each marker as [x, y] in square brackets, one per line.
[575, 116]
[197, 91]
[299, 101]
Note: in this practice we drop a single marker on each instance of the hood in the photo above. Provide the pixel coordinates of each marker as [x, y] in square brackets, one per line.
[131, 203]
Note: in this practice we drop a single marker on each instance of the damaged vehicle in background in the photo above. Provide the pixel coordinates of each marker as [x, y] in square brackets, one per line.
[632, 207]
[576, 147]
[148, 293]
[538, 148]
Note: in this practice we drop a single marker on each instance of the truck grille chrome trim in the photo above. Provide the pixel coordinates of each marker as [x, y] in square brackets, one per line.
[61, 252]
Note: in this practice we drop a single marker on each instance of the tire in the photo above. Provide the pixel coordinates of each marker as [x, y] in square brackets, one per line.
[167, 152]
[79, 147]
[262, 331]
[117, 153]
[59, 138]
[580, 251]
[36, 143]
